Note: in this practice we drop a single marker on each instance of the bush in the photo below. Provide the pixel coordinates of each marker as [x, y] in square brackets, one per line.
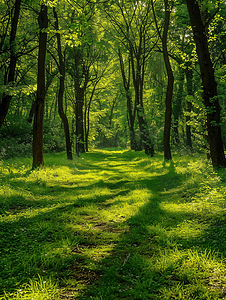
[16, 138]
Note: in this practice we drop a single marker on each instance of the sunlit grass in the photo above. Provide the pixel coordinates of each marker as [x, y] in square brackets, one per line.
[35, 290]
[112, 225]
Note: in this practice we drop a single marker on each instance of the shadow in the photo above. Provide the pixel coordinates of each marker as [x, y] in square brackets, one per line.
[131, 271]
[103, 259]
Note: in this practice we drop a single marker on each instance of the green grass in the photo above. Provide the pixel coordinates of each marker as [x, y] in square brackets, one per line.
[112, 225]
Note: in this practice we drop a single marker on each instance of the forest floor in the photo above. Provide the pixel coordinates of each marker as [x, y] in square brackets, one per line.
[112, 225]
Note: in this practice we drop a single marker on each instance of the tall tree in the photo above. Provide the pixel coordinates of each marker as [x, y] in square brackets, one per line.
[131, 111]
[209, 85]
[132, 27]
[61, 66]
[170, 81]
[6, 98]
[37, 146]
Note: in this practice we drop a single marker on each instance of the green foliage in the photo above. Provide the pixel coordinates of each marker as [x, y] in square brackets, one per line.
[91, 33]
[16, 138]
[53, 134]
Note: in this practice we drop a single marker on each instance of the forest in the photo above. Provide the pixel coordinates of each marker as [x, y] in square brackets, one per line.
[112, 149]
[78, 75]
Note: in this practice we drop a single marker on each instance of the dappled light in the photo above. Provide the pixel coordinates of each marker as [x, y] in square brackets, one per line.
[112, 225]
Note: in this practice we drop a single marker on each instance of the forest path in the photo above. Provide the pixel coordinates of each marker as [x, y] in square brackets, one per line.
[112, 225]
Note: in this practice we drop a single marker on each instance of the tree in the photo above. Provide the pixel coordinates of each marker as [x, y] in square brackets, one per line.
[170, 82]
[37, 146]
[177, 107]
[61, 66]
[209, 85]
[82, 54]
[6, 98]
[132, 28]
[131, 111]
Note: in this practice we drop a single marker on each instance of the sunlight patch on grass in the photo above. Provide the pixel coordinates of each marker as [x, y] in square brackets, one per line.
[28, 213]
[148, 226]
[188, 229]
[190, 274]
[36, 290]
[127, 206]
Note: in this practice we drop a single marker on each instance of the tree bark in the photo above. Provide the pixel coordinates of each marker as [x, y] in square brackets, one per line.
[209, 85]
[37, 146]
[189, 76]
[6, 99]
[61, 89]
[130, 111]
[138, 82]
[79, 130]
[170, 82]
[80, 75]
[177, 106]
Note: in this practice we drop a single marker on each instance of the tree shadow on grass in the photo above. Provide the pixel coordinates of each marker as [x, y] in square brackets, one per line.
[25, 238]
[127, 268]
[127, 273]
[131, 270]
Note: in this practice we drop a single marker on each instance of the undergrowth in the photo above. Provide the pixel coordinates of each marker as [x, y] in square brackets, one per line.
[112, 225]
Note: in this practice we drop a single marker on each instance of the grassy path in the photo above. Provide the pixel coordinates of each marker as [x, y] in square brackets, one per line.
[112, 225]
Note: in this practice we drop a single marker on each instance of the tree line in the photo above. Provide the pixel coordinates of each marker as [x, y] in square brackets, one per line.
[150, 74]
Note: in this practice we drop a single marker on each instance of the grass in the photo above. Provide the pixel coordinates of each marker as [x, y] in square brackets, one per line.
[112, 225]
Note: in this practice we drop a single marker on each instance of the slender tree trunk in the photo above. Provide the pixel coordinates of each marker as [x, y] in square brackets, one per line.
[6, 99]
[170, 82]
[61, 90]
[130, 111]
[210, 97]
[145, 136]
[87, 114]
[131, 120]
[79, 131]
[177, 106]
[189, 76]
[138, 81]
[37, 146]
[81, 72]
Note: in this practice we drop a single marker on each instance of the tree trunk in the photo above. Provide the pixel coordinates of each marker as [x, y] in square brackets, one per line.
[189, 76]
[138, 82]
[79, 131]
[145, 136]
[130, 111]
[87, 115]
[6, 99]
[170, 82]
[61, 90]
[37, 145]
[177, 106]
[210, 97]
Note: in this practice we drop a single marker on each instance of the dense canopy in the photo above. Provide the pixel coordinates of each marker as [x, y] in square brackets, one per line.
[142, 74]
